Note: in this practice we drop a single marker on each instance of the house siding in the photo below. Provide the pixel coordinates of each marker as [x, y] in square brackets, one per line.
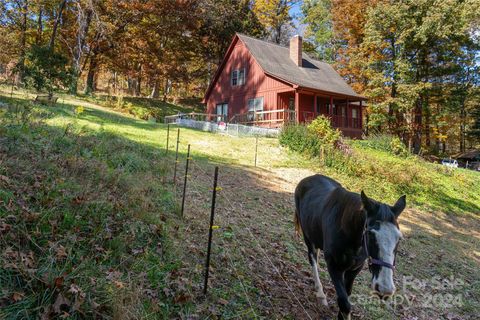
[276, 94]
[257, 84]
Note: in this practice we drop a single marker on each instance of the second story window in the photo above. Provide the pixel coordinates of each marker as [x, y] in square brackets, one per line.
[238, 77]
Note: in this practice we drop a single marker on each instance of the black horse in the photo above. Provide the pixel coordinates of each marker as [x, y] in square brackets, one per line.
[349, 228]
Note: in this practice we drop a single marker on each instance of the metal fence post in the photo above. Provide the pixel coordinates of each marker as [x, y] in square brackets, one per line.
[256, 149]
[168, 137]
[176, 158]
[210, 231]
[185, 181]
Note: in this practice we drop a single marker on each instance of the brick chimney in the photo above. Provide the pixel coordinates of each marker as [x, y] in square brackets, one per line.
[296, 50]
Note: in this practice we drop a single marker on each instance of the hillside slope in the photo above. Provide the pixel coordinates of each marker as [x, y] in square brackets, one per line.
[90, 228]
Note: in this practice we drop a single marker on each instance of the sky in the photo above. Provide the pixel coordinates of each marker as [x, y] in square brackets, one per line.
[295, 12]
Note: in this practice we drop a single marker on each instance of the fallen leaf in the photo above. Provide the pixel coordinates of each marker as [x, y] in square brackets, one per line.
[182, 298]
[17, 296]
[58, 282]
[4, 179]
[94, 304]
[113, 274]
[61, 303]
[4, 227]
[74, 289]
[118, 284]
[61, 253]
[28, 259]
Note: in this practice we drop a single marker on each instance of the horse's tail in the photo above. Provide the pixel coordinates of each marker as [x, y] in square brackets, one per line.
[296, 218]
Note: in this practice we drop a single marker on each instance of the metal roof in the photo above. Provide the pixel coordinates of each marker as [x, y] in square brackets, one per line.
[313, 74]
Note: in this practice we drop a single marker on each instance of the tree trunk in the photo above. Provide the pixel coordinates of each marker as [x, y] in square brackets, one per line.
[392, 124]
[427, 127]
[131, 86]
[138, 87]
[155, 91]
[462, 127]
[92, 69]
[83, 27]
[55, 25]
[392, 111]
[23, 44]
[417, 126]
[38, 37]
[115, 90]
[166, 90]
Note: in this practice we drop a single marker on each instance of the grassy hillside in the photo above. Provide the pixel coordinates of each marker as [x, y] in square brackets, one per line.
[145, 108]
[89, 221]
[80, 214]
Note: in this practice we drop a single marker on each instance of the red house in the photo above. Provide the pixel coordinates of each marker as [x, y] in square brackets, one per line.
[262, 83]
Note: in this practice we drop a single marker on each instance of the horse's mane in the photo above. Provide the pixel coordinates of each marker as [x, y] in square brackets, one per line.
[350, 213]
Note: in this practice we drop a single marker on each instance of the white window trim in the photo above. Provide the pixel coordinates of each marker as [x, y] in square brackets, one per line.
[254, 105]
[235, 75]
[224, 112]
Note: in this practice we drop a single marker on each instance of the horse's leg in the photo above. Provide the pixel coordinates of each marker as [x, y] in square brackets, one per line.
[312, 257]
[338, 280]
[350, 276]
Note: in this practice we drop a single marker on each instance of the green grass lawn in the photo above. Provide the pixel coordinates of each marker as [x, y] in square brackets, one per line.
[145, 108]
[89, 221]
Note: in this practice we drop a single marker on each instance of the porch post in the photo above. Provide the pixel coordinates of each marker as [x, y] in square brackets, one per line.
[330, 113]
[360, 116]
[347, 108]
[315, 106]
[297, 106]
[330, 110]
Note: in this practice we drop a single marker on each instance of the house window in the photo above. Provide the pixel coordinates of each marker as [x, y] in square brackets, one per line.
[238, 77]
[222, 112]
[354, 114]
[255, 105]
[291, 103]
[355, 120]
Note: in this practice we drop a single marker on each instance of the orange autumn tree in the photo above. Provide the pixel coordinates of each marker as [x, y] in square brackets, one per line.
[349, 18]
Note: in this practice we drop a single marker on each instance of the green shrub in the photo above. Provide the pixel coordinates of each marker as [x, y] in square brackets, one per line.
[316, 139]
[385, 142]
[322, 130]
[46, 70]
[298, 138]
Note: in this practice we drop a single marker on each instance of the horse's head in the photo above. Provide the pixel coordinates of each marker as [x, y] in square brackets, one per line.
[380, 240]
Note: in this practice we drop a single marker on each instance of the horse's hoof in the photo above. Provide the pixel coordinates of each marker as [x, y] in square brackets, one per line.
[323, 301]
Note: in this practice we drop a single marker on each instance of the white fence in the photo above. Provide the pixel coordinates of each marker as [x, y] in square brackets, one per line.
[229, 128]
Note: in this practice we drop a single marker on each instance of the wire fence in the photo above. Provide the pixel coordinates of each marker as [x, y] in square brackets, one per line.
[194, 189]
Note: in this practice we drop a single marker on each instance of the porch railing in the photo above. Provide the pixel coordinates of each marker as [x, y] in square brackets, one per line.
[345, 122]
[308, 116]
[336, 121]
[270, 118]
[195, 116]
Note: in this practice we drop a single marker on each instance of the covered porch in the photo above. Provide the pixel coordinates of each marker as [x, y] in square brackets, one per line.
[302, 106]
[345, 113]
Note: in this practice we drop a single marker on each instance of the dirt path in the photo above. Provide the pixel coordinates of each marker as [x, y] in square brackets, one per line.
[259, 266]
[254, 246]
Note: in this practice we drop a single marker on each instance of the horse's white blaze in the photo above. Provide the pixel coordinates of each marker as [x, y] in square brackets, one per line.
[318, 285]
[387, 237]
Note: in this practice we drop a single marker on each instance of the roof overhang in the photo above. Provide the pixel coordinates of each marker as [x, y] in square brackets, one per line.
[295, 86]
[220, 68]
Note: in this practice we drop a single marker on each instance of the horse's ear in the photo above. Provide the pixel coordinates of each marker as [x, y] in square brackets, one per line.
[367, 203]
[399, 206]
